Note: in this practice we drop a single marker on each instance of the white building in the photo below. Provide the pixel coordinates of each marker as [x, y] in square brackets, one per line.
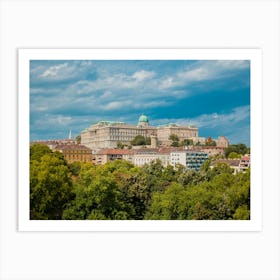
[189, 159]
[146, 156]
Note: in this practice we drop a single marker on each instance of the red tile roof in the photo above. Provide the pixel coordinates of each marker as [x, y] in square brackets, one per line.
[76, 147]
[230, 162]
[113, 152]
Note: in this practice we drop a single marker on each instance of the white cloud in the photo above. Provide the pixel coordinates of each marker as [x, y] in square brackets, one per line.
[54, 120]
[213, 120]
[55, 70]
[197, 74]
[116, 105]
[143, 75]
[203, 71]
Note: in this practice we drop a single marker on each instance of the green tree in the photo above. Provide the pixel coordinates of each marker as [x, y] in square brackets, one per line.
[175, 140]
[186, 142]
[167, 205]
[138, 140]
[75, 167]
[234, 155]
[78, 139]
[38, 150]
[210, 142]
[238, 148]
[120, 145]
[242, 213]
[50, 187]
[98, 194]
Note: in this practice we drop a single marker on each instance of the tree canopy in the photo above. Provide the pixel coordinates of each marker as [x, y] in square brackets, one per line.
[50, 183]
[119, 190]
[140, 140]
[240, 149]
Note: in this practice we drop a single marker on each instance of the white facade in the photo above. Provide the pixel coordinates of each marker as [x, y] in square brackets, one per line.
[189, 159]
[146, 158]
[178, 157]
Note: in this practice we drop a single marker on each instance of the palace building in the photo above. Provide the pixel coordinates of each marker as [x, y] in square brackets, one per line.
[106, 134]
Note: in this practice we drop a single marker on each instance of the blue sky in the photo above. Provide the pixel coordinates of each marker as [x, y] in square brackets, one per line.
[214, 95]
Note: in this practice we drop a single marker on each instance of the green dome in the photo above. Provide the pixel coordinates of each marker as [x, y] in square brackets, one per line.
[143, 118]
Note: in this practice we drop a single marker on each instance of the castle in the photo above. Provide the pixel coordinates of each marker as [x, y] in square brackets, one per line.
[106, 134]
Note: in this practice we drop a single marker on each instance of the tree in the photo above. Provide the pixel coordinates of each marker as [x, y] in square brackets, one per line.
[148, 141]
[50, 187]
[167, 205]
[120, 145]
[175, 140]
[242, 213]
[75, 167]
[38, 150]
[186, 142]
[78, 139]
[138, 140]
[99, 194]
[238, 148]
[210, 142]
[234, 155]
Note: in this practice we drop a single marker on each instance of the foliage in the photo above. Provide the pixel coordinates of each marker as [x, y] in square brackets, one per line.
[119, 190]
[75, 167]
[140, 140]
[210, 142]
[186, 142]
[39, 150]
[234, 155]
[78, 139]
[120, 145]
[238, 148]
[50, 184]
[175, 140]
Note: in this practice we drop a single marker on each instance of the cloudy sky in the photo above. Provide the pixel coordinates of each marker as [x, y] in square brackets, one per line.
[70, 94]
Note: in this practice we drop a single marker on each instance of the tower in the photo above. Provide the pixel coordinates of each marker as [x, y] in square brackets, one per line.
[154, 143]
[143, 121]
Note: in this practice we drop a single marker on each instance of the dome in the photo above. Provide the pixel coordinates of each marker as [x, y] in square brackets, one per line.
[143, 118]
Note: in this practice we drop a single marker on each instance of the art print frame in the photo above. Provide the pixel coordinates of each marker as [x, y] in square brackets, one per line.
[26, 55]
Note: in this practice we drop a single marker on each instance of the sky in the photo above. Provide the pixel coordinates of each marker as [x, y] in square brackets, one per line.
[213, 95]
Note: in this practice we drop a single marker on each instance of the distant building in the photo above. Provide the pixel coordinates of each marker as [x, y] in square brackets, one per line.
[138, 157]
[232, 163]
[245, 163]
[68, 147]
[210, 150]
[146, 156]
[105, 134]
[105, 155]
[183, 132]
[238, 165]
[189, 159]
[53, 143]
[198, 140]
[75, 152]
[222, 141]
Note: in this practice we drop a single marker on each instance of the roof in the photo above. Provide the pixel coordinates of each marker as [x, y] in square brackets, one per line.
[208, 147]
[177, 126]
[52, 142]
[246, 158]
[230, 162]
[75, 147]
[143, 118]
[113, 152]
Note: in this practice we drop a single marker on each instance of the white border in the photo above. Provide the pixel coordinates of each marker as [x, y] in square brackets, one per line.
[254, 55]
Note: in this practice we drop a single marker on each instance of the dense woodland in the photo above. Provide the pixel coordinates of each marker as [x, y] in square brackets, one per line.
[119, 190]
